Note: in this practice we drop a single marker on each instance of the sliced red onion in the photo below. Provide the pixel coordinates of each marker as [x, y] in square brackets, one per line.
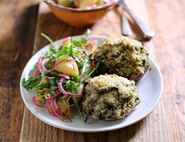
[53, 97]
[37, 73]
[42, 63]
[49, 109]
[52, 108]
[64, 76]
[66, 40]
[63, 91]
[56, 106]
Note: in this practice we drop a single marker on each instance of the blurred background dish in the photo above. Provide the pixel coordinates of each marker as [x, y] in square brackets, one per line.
[83, 4]
[80, 16]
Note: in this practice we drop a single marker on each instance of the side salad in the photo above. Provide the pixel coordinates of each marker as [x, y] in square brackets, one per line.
[58, 77]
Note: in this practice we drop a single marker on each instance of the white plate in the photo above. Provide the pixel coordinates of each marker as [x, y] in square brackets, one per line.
[149, 88]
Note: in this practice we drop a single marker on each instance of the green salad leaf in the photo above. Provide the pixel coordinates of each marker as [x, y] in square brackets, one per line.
[45, 84]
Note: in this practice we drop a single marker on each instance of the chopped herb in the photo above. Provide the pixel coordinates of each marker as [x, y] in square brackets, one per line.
[76, 102]
[72, 86]
[45, 83]
[48, 38]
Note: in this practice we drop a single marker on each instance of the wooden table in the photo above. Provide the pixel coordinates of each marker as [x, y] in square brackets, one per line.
[21, 22]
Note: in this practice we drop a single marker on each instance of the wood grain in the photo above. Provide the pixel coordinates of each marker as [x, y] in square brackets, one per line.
[169, 43]
[35, 130]
[166, 123]
[16, 42]
[17, 26]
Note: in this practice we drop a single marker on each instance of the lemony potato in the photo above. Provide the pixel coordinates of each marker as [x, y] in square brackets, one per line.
[67, 3]
[68, 67]
[84, 3]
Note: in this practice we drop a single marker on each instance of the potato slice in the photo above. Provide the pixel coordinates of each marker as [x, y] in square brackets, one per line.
[68, 67]
[68, 3]
[84, 3]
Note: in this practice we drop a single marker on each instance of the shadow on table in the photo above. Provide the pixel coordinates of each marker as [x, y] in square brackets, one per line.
[16, 42]
[121, 135]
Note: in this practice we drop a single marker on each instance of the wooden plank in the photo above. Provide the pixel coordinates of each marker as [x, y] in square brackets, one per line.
[145, 130]
[16, 44]
[168, 19]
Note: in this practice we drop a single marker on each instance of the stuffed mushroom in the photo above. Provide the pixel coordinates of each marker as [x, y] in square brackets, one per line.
[122, 56]
[109, 97]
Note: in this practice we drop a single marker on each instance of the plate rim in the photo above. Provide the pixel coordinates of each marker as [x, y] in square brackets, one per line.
[87, 130]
